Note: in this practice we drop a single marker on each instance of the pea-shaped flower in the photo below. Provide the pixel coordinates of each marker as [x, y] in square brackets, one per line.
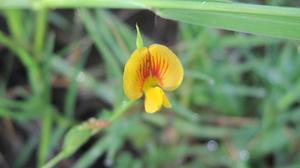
[150, 71]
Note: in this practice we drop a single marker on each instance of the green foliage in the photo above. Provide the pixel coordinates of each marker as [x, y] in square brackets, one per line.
[237, 107]
[283, 22]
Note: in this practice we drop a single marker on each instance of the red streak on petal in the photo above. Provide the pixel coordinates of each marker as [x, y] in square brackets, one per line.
[152, 66]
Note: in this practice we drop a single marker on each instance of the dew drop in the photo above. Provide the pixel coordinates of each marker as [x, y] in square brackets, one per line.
[244, 155]
[80, 77]
[124, 103]
[211, 82]
[212, 145]
[108, 162]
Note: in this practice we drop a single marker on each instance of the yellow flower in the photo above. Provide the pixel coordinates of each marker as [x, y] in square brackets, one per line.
[149, 71]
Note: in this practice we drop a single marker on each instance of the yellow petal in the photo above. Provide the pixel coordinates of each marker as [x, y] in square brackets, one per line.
[132, 83]
[171, 71]
[166, 101]
[153, 99]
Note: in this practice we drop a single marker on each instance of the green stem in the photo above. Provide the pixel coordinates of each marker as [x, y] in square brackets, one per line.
[65, 153]
[41, 22]
[45, 137]
[54, 161]
[14, 21]
[124, 107]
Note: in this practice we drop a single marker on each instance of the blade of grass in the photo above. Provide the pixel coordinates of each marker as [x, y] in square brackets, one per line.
[106, 30]
[258, 19]
[89, 157]
[40, 32]
[8, 67]
[73, 88]
[276, 26]
[80, 134]
[45, 97]
[104, 91]
[26, 152]
[14, 19]
[111, 63]
[30, 64]
[107, 47]
[45, 136]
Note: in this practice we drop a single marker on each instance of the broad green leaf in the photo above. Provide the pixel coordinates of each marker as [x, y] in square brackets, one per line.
[266, 20]
[262, 24]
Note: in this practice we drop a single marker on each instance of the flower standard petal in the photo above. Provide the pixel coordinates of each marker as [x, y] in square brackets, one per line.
[153, 99]
[168, 65]
[132, 82]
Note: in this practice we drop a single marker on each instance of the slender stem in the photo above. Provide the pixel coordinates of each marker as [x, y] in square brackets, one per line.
[45, 137]
[117, 114]
[54, 161]
[41, 23]
[14, 20]
[124, 107]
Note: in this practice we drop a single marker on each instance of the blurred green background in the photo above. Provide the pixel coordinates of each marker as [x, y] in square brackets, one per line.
[238, 105]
